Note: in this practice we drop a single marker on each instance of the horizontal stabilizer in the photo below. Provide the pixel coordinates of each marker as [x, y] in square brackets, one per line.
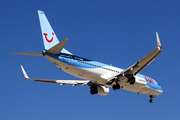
[31, 53]
[55, 50]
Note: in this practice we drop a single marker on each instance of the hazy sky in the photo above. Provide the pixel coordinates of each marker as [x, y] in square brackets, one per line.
[117, 32]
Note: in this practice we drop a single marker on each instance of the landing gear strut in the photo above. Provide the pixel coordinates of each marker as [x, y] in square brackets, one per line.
[93, 89]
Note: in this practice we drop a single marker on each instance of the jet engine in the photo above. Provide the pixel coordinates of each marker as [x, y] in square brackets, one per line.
[137, 82]
[102, 90]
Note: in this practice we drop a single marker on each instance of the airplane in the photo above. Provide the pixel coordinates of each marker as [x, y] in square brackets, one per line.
[99, 76]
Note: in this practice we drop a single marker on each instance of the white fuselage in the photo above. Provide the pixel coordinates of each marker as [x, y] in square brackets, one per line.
[99, 75]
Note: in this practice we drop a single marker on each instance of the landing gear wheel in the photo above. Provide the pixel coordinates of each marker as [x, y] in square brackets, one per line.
[93, 90]
[114, 87]
[117, 86]
[151, 100]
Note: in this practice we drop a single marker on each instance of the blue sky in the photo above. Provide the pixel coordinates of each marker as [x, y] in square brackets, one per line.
[114, 32]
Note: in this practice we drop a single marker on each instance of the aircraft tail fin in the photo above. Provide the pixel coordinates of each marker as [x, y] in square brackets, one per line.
[49, 37]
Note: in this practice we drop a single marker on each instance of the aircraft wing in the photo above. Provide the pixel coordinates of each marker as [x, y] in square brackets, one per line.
[144, 62]
[61, 82]
[139, 65]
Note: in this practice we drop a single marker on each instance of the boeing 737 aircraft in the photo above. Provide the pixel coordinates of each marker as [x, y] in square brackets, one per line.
[97, 75]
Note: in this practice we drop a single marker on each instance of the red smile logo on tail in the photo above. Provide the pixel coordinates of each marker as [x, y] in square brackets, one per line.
[45, 34]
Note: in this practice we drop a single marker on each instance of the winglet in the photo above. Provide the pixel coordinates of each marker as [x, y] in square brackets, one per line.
[25, 75]
[158, 40]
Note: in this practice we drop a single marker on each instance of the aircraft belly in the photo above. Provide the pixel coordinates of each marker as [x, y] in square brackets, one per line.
[151, 91]
[132, 88]
[146, 90]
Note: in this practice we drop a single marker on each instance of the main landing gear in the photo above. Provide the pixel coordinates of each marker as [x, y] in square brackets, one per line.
[93, 89]
[116, 86]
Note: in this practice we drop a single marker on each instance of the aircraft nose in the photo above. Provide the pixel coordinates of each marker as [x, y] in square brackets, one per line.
[161, 90]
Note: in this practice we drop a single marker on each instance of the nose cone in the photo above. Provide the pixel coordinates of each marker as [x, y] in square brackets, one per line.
[160, 91]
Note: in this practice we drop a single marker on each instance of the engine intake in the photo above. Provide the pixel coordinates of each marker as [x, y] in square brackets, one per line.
[102, 90]
[137, 82]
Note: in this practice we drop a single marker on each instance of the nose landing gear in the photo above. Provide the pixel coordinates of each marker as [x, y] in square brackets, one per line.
[151, 98]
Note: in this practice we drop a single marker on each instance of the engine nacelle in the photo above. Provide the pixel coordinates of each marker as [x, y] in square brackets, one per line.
[102, 90]
[139, 82]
